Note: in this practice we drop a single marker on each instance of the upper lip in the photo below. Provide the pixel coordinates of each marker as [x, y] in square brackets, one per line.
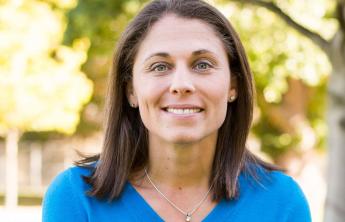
[182, 106]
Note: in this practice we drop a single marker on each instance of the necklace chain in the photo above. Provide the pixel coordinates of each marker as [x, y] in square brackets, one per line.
[187, 214]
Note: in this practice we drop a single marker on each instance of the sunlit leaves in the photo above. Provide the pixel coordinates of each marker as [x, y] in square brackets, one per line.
[313, 14]
[94, 19]
[277, 54]
[63, 4]
[42, 87]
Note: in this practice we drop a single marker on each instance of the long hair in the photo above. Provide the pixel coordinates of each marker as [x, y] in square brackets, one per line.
[125, 147]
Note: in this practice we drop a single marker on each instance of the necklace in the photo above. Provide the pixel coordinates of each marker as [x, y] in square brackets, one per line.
[189, 214]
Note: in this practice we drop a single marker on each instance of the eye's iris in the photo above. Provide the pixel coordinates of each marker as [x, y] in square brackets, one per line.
[160, 68]
[203, 65]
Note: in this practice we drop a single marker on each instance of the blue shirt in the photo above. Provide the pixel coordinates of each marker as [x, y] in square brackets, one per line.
[277, 198]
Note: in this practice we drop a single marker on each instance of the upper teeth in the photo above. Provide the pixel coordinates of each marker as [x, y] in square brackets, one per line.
[182, 111]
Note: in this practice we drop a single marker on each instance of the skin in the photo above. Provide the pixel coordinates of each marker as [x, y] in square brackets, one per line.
[184, 66]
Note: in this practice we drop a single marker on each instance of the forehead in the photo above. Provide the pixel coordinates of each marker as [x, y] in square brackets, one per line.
[176, 35]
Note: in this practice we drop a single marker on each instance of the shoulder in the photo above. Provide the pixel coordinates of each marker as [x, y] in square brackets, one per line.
[276, 191]
[68, 180]
[269, 181]
[297, 204]
[271, 184]
[65, 195]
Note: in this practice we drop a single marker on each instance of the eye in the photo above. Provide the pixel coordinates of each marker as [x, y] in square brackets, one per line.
[159, 67]
[202, 66]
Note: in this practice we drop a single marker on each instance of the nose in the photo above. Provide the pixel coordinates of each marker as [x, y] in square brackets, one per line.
[182, 82]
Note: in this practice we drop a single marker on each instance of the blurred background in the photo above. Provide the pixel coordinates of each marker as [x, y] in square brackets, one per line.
[54, 60]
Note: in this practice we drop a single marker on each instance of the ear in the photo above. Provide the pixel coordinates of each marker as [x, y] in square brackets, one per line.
[233, 88]
[131, 95]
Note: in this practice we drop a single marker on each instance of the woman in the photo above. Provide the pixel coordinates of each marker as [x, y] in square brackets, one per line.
[180, 106]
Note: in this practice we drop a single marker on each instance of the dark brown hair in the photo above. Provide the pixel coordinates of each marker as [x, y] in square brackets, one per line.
[125, 149]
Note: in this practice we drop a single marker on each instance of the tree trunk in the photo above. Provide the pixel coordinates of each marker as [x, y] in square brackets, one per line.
[335, 202]
[11, 192]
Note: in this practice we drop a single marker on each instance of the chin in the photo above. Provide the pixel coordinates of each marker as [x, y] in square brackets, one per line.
[184, 139]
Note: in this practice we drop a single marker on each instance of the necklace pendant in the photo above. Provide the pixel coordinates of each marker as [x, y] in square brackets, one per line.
[188, 217]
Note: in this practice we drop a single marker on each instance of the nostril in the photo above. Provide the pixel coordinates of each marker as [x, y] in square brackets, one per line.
[177, 91]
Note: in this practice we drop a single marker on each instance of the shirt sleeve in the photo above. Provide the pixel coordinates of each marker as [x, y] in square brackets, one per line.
[299, 209]
[61, 202]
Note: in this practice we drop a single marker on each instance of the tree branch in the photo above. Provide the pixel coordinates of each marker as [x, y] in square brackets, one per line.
[340, 14]
[313, 36]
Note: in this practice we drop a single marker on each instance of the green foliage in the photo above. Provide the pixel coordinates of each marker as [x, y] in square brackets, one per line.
[42, 87]
[102, 22]
[97, 20]
[316, 113]
[273, 140]
[278, 53]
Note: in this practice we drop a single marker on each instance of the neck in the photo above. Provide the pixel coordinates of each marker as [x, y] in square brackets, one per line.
[181, 165]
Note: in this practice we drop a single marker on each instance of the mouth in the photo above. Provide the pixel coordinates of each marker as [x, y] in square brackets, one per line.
[183, 111]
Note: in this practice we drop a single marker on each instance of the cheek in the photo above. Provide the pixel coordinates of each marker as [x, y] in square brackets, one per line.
[218, 90]
[143, 88]
[148, 93]
[149, 96]
[220, 112]
[218, 97]
[221, 109]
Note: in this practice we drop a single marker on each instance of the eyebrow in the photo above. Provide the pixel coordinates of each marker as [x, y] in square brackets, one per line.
[166, 55]
[201, 51]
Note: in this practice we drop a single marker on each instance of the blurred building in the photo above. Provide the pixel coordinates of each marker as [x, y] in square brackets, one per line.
[40, 162]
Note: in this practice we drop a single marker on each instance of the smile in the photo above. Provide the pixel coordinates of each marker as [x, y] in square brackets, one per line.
[183, 111]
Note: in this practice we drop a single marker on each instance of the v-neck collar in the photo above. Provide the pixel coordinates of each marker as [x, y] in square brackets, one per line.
[138, 206]
[142, 210]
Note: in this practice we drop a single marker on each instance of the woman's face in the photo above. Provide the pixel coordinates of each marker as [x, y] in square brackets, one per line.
[181, 81]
